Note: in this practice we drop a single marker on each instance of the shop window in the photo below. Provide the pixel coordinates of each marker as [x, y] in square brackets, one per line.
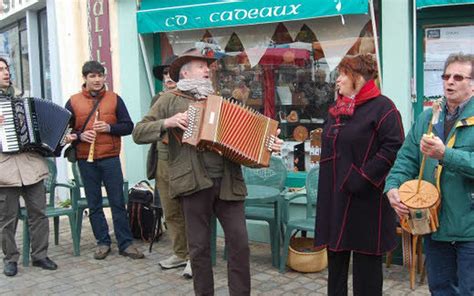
[14, 48]
[285, 70]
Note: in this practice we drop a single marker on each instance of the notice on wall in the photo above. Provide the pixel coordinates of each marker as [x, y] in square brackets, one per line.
[433, 82]
[443, 41]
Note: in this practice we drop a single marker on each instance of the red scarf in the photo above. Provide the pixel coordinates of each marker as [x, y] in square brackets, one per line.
[345, 106]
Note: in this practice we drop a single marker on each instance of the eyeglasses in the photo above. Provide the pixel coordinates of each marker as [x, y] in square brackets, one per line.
[456, 77]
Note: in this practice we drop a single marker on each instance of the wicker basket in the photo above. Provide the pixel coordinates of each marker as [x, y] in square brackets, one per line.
[304, 257]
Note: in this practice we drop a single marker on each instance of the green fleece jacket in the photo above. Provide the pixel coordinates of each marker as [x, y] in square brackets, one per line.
[457, 175]
[187, 171]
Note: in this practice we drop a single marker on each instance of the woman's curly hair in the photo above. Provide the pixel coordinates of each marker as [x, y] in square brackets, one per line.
[363, 65]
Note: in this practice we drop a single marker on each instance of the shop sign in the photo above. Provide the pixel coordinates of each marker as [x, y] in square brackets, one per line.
[9, 7]
[99, 36]
[166, 16]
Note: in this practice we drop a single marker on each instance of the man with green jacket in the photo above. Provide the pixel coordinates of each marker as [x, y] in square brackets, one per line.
[450, 153]
[206, 183]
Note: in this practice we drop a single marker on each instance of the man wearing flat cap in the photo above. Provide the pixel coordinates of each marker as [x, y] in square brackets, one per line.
[206, 183]
[157, 168]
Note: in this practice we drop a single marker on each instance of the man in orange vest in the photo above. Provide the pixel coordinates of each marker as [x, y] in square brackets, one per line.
[100, 119]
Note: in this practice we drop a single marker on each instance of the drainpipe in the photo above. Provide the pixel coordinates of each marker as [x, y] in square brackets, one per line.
[376, 42]
[147, 66]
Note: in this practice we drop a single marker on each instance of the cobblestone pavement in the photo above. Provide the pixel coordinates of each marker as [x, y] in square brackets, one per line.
[117, 275]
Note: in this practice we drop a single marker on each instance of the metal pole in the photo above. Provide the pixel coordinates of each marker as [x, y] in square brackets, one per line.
[147, 66]
[414, 58]
[376, 42]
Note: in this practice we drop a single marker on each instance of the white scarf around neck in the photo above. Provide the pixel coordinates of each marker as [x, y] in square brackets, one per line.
[199, 88]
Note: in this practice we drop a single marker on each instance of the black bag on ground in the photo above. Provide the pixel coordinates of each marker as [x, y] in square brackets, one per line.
[144, 215]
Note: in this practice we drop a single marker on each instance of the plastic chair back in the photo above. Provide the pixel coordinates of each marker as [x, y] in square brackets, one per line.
[77, 174]
[273, 176]
[312, 180]
[50, 181]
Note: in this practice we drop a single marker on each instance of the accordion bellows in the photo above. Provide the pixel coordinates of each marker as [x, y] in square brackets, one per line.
[232, 129]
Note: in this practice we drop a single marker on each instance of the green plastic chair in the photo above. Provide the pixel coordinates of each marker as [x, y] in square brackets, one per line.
[273, 176]
[303, 224]
[52, 211]
[82, 201]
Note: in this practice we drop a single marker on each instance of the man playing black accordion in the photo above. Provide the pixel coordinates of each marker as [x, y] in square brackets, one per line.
[22, 174]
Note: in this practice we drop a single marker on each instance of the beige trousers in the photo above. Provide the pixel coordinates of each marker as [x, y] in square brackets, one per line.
[172, 211]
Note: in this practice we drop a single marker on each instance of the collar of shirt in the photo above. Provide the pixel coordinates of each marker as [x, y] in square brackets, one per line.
[450, 116]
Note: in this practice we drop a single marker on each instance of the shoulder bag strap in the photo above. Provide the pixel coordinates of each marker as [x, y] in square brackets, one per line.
[87, 120]
[90, 114]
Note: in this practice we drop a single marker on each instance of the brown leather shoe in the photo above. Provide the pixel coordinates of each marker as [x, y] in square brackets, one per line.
[101, 252]
[132, 252]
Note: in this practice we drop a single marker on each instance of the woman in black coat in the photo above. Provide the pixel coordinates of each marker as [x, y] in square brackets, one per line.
[359, 144]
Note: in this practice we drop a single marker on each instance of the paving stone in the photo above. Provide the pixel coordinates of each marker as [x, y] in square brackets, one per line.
[117, 275]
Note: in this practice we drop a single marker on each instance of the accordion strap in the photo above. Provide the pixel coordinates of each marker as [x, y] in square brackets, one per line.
[181, 94]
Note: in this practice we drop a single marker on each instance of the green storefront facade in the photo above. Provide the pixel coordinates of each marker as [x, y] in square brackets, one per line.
[150, 30]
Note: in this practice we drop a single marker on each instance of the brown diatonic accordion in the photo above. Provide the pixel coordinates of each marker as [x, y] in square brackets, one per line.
[232, 129]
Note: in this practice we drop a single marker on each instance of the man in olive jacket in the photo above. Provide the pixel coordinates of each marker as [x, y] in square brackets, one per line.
[22, 174]
[206, 183]
[450, 155]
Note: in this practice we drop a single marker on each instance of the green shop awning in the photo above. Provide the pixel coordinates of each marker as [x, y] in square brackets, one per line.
[420, 4]
[172, 15]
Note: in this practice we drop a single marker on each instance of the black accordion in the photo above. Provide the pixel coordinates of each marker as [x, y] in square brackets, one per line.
[32, 124]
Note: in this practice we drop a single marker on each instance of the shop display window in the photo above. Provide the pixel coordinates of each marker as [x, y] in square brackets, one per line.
[285, 70]
[14, 48]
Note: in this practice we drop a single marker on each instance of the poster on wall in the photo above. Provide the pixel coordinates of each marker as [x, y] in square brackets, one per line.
[441, 42]
[433, 83]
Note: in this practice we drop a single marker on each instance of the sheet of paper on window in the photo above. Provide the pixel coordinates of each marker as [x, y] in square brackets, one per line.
[441, 42]
[284, 93]
[433, 83]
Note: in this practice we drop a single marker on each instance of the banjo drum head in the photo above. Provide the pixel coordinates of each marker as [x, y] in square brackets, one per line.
[426, 197]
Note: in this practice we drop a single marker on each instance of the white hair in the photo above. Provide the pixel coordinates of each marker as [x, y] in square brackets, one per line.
[185, 67]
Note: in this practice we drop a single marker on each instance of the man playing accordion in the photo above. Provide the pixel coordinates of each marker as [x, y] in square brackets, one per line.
[207, 183]
[22, 174]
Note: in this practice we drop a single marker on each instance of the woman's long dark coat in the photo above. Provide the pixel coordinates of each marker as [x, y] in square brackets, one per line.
[356, 156]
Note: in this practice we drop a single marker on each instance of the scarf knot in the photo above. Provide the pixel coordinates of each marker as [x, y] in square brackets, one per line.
[345, 106]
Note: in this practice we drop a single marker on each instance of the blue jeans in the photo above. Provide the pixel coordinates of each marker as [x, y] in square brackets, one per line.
[450, 267]
[109, 172]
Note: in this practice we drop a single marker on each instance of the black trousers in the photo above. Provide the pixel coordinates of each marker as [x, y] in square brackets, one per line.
[198, 210]
[367, 276]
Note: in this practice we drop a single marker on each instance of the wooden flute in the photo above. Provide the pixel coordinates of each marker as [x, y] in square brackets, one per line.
[90, 157]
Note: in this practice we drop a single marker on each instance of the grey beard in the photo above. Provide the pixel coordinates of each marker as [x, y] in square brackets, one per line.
[199, 88]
